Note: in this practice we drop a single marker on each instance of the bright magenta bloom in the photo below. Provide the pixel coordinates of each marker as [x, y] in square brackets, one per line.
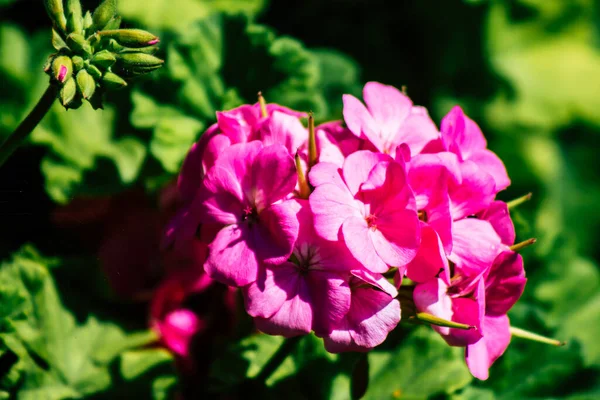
[369, 207]
[389, 120]
[257, 225]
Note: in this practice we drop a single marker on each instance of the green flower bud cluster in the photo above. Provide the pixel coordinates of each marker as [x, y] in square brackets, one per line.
[93, 54]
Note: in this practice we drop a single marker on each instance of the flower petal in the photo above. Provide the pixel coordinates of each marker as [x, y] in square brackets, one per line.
[430, 259]
[357, 236]
[505, 283]
[273, 176]
[273, 286]
[481, 355]
[277, 231]
[331, 205]
[330, 299]
[497, 214]
[373, 314]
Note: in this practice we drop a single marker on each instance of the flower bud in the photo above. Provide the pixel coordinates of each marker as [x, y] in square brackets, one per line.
[94, 71]
[114, 23]
[117, 48]
[68, 92]
[103, 14]
[103, 59]
[57, 41]
[131, 37]
[87, 20]
[113, 81]
[77, 62]
[56, 13]
[75, 18]
[78, 44]
[139, 60]
[62, 68]
[86, 84]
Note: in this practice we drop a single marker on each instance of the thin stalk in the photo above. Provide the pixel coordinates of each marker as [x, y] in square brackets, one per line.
[523, 334]
[28, 125]
[274, 362]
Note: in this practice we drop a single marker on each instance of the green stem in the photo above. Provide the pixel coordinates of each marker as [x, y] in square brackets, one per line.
[275, 361]
[28, 125]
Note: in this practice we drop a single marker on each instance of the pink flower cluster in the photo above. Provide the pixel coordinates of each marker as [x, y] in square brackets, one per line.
[311, 227]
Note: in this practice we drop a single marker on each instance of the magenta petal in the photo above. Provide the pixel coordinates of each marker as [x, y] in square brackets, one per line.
[481, 355]
[430, 259]
[505, 283]
[475, 246]
[431, 297]
[237, 124]
[340, 340]
[231, 261]
[359, 120]
[497, 214]
[178, 328]
[214, 148]
[272, 288]
[238, 160]
[273, 175]
[221, 197]
[275, 234]
[373, 314]
[397, 237]
[461, 134]
[330, 298]
[284, 129]
[465, 311]
[474, 194]
[417, 130]
[377, 280]
[358, 166]
[491, 163]
[191, 174]
[295, 317]
[357, 236]
[331, 205]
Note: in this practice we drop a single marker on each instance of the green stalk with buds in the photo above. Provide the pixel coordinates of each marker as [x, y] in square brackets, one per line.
[92, 56]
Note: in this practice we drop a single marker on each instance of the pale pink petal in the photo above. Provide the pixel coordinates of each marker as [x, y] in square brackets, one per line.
[505, 283]
[373, 314]
[491, 163]
[474, 194]
[231, 259]
[276, 232]
[481, 355]
[330, 298]
[326, 172]
[328, 148]
[430, 259]
[417, 130]
[272, 107]
[273, 174]
[331, 205]
[360, 122]
[475, 246]
[358, 166]
[272, 288]
[357, 236]
[497, 214]
[340, 340]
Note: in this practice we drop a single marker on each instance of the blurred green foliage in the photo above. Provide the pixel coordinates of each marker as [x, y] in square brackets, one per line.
[527, 70]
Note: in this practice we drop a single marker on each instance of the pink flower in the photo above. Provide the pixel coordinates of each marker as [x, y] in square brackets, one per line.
[369, 206]
[373, 314]
[245, 199]
[335, 143]
[498, 216]
[462, 136]
[310, 292]
[389, 119]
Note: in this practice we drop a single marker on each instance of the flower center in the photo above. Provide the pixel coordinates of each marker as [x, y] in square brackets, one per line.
[371, 221]
[423, 215]
[250, 215]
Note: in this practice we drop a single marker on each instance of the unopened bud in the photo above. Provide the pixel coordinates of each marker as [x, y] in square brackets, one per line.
[313, 157]
[78, 44]
[87, 20]
[131, 37]
[103, 59]
[77, 62]
[113, 81]
[56, 13]
[263, 105]
[75, 18]
[104, 13]
[94, 71]
[68, 92]
[117, 48]
[139, 60]
[57, 41]
[114, 23]
[85, 84]
[302, 183]
[62, 68]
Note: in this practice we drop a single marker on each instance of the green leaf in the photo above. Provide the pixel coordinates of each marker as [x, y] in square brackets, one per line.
[80, 140]
[423, 365]
[58, 358]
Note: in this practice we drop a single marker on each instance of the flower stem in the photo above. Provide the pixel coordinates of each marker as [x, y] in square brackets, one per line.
[28, 125]
[279, 357]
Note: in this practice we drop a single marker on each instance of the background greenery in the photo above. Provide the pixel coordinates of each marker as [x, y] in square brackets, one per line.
[527, 70]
